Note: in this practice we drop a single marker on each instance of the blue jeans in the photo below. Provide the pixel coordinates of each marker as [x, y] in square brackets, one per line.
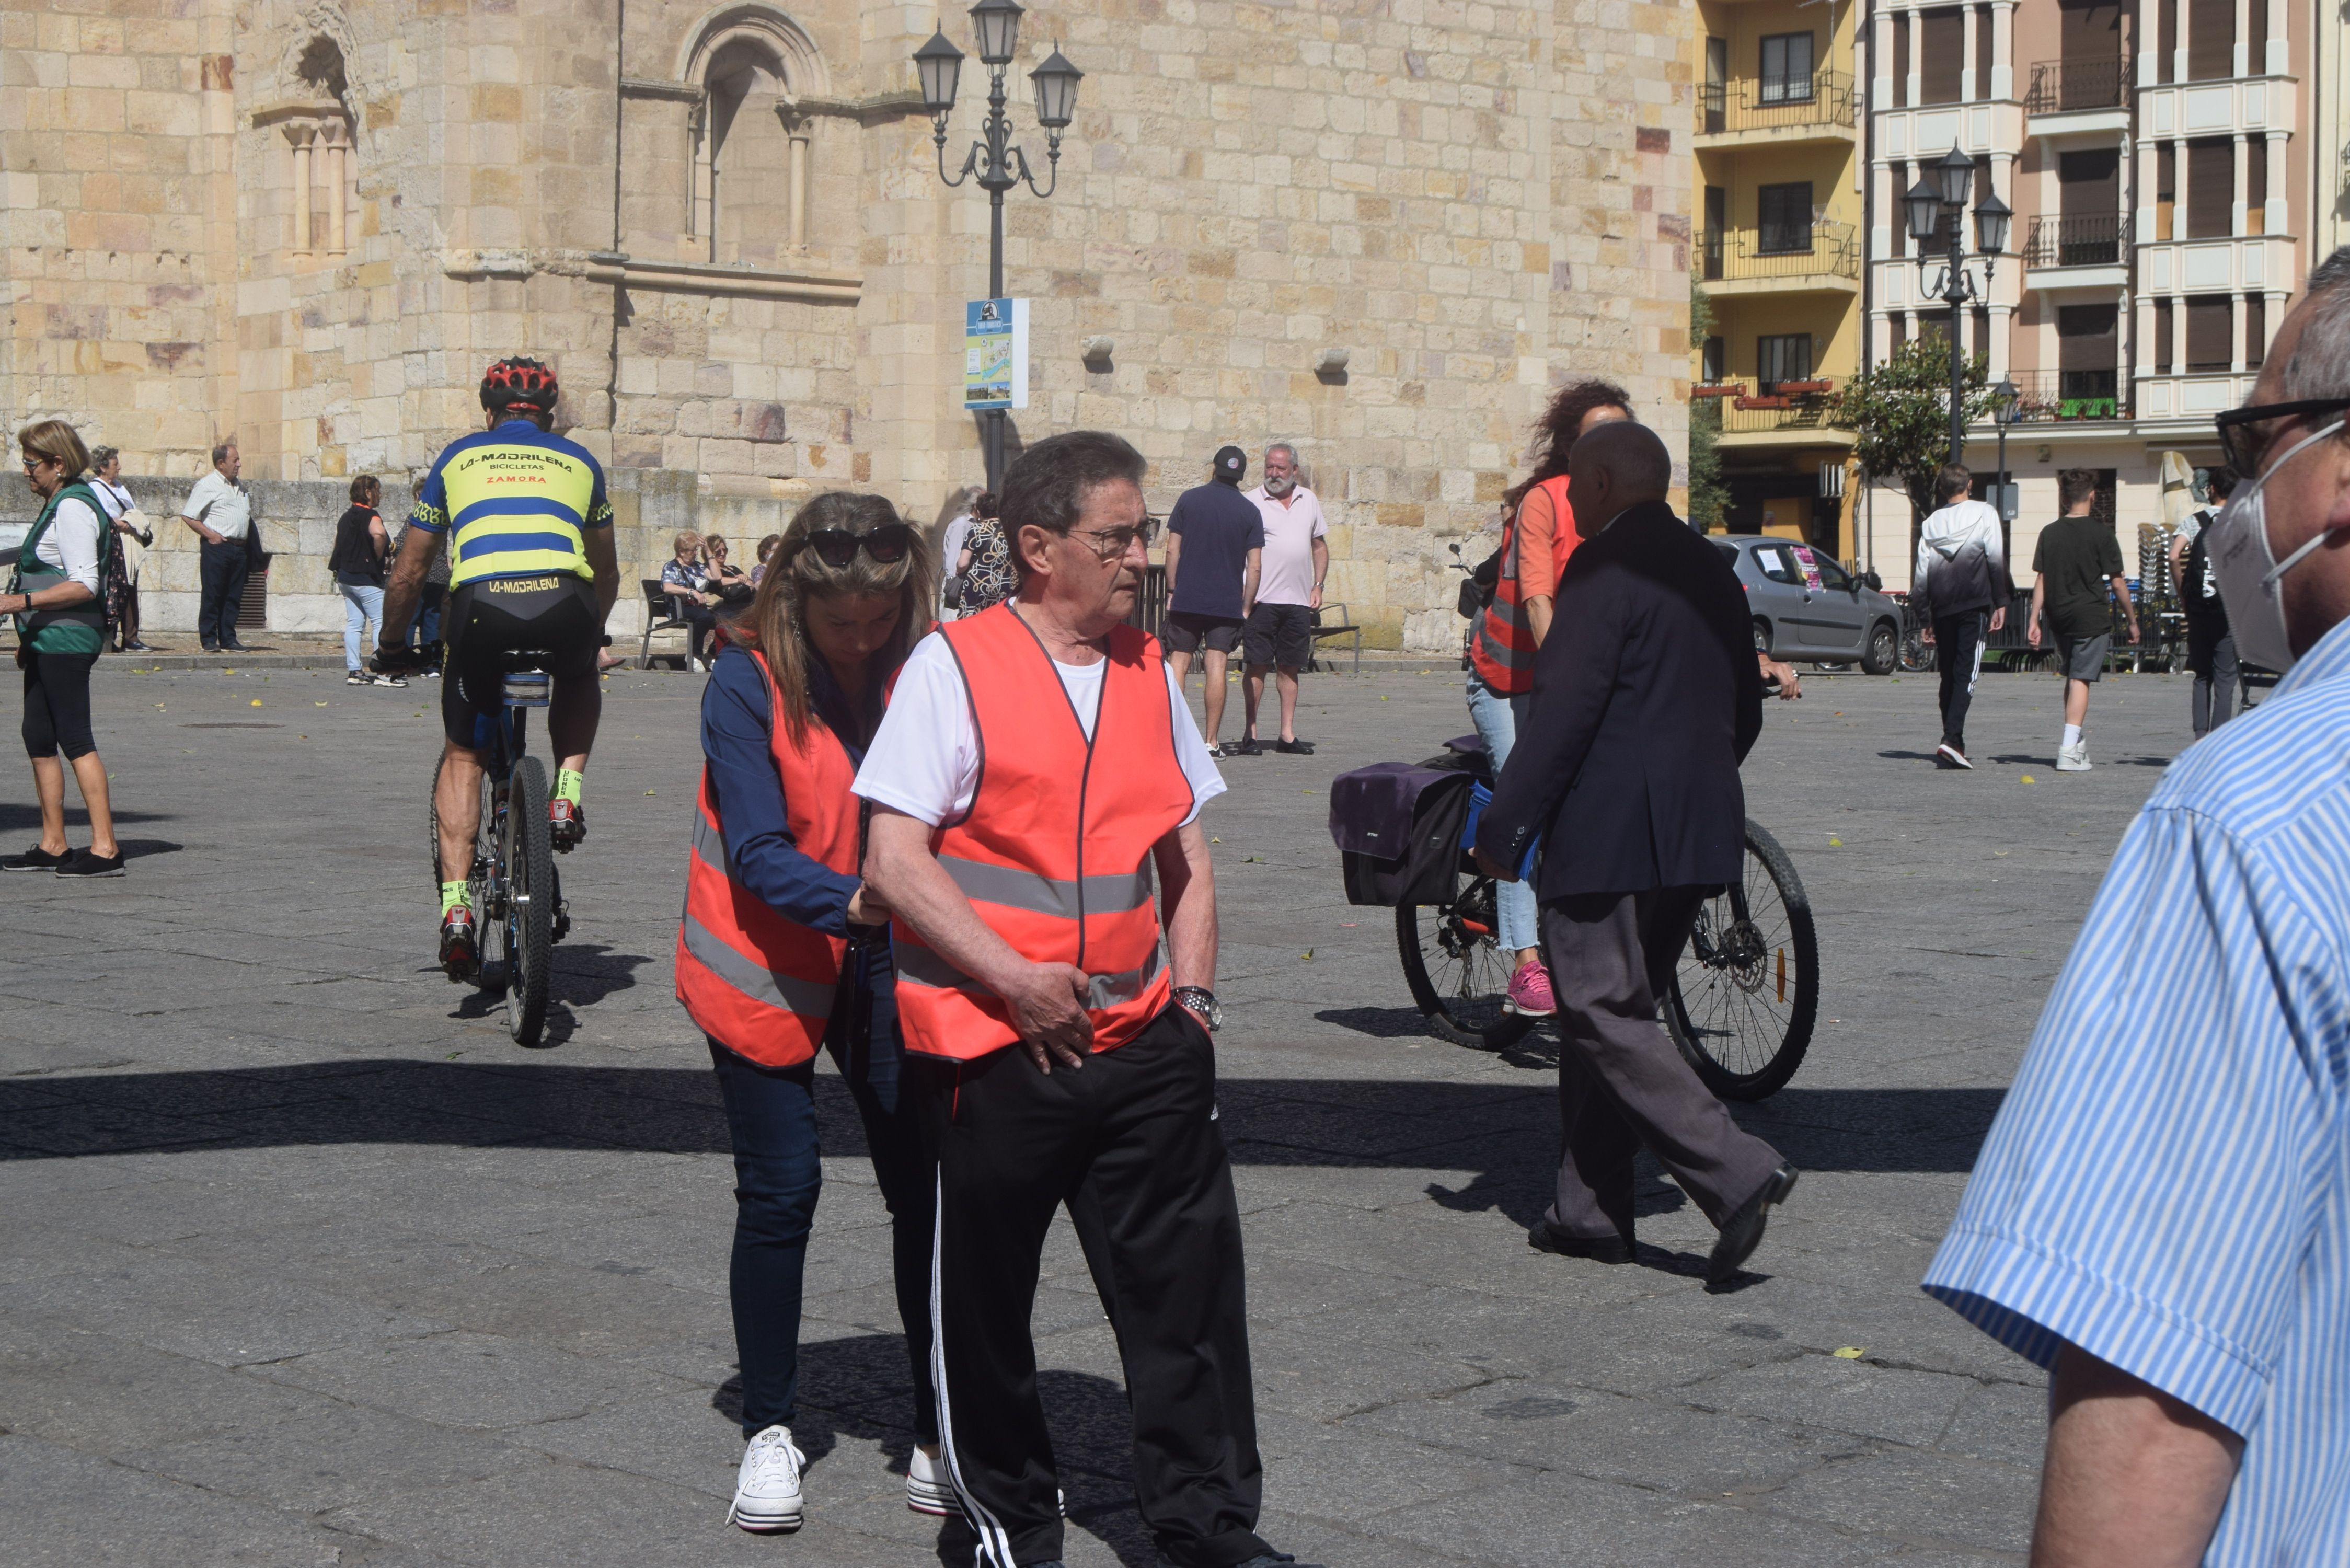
[778, 1172]
[362, 606]
[1497, 719]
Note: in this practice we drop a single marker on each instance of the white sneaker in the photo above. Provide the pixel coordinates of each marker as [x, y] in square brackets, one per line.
[767, 1487]
[2072, 759]
[927, 1491]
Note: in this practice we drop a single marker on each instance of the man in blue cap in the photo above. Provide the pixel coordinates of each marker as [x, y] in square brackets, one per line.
[1216, 536]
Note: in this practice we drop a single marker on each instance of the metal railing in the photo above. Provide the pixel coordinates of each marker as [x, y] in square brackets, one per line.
[1818, 249]
[1824, 98]
[2047, 396]
[2099, 241]
[2061, 86]
[1801, 413]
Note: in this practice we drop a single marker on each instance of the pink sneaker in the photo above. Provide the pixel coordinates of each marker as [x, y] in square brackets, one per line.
[1530, 993]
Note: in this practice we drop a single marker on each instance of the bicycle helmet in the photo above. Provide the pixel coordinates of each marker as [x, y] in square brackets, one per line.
[519, 385]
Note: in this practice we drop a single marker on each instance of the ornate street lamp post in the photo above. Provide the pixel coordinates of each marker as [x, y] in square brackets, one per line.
[1935, 205]
[995, 161]
[2003, 408]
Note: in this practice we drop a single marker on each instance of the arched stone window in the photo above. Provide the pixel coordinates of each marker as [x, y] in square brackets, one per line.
[754, 145]
[317, 131]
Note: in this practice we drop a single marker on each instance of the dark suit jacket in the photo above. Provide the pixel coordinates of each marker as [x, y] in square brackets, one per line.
[1646, 699]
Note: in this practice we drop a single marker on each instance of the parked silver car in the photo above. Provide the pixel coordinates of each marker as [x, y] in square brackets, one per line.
[1807, 608]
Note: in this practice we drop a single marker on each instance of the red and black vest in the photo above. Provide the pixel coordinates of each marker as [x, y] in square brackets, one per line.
[1054, 852]
[757, 983]
[1503, 652]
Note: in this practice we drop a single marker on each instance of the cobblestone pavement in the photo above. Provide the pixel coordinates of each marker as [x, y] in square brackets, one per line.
[304, 1262]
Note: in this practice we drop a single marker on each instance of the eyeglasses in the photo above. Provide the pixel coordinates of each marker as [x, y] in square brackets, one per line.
[1109, 544]
[33, 462]
[2246, 434]
[885, 546]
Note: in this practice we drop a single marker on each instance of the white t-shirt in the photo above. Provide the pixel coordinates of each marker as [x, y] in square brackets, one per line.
[113, 497]
[219, 506]
[70, 545]
[924, 760]
[951, 543]
[1285, 575]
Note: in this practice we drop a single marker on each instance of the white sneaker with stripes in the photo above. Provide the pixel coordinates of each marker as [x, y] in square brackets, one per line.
[767, 1487]
[927, 1491]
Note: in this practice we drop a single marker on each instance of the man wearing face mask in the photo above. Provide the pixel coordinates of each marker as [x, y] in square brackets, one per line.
[2161, 1214]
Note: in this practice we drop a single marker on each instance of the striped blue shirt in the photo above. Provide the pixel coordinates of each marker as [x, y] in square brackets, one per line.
[2167, 1185]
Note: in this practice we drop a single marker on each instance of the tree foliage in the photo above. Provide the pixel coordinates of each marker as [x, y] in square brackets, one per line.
[1901, 414]
[1708, 497]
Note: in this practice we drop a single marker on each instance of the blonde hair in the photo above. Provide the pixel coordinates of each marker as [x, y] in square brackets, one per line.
[59, 442]
[775, 623]
[685, 537]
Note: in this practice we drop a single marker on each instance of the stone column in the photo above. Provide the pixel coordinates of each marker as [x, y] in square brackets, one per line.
[2243, 63]
[2239, 214]
[1969, 21]
[2179, 54]
[1916, 64]
[2278, 221]
[801, 130]
[2235, 333]
[702, 195]
[2002, 49]
[301, 133]
[336, 137]
[2003, 325]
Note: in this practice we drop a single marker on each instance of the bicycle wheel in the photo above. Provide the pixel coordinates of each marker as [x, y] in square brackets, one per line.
[433, 826]
[530, 900]
[1458, 972]
[485, 880]
[1747, 992]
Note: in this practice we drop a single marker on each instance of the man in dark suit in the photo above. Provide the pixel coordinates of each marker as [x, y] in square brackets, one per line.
[1646, 699]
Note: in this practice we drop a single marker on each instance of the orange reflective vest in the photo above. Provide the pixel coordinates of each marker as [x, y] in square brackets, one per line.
[1503, 652]
[1054, 852]
[757, 983]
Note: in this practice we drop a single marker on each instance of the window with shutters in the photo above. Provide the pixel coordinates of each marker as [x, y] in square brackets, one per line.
[2256, 331]
[1983, 51]
[2212, 40]
[2166, 191]
[2256, 184]
[2210, 187]
[2088, 357]
[1717, 84]
[1901, 59]
[2166, 47]
[2164, 323]
[1945, 41]
[1785, 219]
[2210, 334]
[1787, 68]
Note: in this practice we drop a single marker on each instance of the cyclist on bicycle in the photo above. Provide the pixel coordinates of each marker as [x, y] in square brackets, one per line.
[532, 567]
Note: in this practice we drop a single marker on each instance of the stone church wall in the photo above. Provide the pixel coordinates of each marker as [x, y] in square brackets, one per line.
[1381, 230]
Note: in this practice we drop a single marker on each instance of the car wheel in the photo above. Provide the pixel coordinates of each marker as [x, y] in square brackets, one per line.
[1884, 650]
[1762, 635]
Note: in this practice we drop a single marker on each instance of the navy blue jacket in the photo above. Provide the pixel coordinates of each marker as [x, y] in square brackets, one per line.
[1646, 699]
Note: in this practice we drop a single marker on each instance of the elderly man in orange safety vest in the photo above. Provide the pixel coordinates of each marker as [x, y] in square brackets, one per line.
[1036, 790]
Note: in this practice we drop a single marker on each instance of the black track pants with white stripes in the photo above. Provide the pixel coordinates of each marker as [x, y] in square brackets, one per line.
[1136, 1127]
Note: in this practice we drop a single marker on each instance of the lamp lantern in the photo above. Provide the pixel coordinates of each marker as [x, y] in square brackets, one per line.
[938, 64]
[1992, 219]
[1057, 90]
[996, 23]
[1922, 208]
[1957, 172]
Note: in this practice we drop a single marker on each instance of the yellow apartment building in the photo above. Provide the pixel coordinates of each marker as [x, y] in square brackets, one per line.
[1780, 248]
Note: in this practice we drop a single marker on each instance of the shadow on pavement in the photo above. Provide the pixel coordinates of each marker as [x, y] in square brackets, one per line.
[1497, 1132]
[858, 1386]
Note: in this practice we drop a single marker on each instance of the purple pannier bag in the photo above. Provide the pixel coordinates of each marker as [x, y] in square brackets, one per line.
[1397, 829]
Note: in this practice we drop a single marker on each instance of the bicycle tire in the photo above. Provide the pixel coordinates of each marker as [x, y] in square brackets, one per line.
[1461, 996]
[433, 826]
[530, 900]
[486, 882]
[1748, 1028]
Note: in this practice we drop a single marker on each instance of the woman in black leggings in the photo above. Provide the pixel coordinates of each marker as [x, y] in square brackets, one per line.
[55, 594]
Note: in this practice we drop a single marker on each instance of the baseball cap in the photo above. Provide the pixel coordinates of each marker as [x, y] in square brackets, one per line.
[1231, 462]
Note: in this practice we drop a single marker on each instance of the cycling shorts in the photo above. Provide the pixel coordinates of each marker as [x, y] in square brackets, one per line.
[555, 615]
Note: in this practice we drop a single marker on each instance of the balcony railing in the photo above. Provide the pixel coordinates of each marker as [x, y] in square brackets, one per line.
[1800, 405]
[1824, 98]
[2059, 87]
[2100, 241]
[1817, 249]
[2045, 397]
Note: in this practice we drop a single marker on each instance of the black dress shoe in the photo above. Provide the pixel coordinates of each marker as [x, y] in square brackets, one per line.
[1295, 748]
[1247, 747]
[1742, 1232]
[1545, 1237]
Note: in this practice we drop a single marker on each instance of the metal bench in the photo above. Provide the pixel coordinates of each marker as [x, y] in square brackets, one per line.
[661, 616]
[1344, 627]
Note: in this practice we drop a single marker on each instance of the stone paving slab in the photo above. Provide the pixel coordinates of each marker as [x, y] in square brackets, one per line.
[306, 1263]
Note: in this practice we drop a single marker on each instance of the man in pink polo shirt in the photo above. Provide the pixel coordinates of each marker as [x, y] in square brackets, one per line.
[1280, 630]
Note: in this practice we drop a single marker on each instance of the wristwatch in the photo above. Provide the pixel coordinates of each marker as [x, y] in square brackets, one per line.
[1203, 1005]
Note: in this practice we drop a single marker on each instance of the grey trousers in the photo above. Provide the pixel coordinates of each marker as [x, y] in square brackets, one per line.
[1621, 1083]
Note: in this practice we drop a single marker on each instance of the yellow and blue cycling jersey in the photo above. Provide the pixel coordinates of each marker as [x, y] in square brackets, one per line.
[515, 502]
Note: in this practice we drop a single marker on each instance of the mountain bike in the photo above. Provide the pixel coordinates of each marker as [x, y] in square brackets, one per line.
[517, 894]
[1743, 997]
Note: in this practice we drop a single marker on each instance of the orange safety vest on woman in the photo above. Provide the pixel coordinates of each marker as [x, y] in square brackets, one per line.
[1054, 852]
[757, 983]
[1503, 652]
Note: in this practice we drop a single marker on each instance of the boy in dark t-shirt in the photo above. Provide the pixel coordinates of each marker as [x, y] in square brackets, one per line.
[1215, 544]
[2075, 562]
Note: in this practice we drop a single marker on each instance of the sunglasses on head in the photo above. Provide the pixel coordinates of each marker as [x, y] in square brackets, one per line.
[885, 546]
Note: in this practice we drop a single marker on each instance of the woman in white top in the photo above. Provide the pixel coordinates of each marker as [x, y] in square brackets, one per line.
[131, 542]
[54, 595]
